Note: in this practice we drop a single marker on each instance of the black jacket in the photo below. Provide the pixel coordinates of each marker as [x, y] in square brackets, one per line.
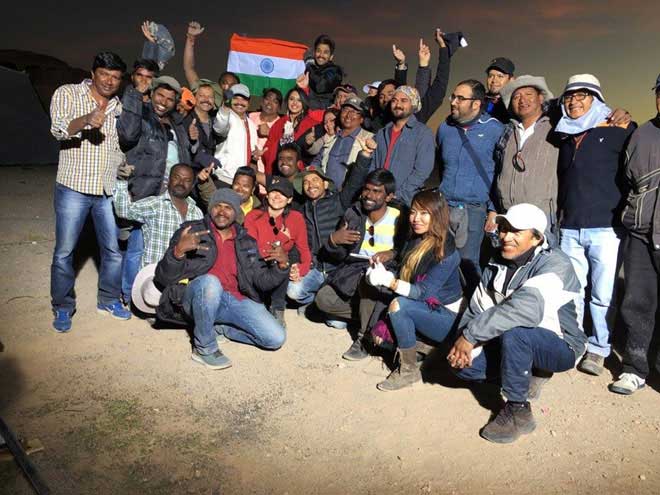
[255, 276]
[144, 141]
[345, 278]
[322, 217]
[322, 83]
[205, 145]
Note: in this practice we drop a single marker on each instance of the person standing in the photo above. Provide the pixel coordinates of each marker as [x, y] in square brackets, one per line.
[83, 120]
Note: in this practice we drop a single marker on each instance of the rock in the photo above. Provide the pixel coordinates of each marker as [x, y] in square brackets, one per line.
[553, 433]
[642, 477]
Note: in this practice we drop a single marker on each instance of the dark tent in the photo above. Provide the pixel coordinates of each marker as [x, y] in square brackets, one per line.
[25, 125]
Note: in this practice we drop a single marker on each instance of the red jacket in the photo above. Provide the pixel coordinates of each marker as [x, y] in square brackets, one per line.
[258, 226]
[276, 132]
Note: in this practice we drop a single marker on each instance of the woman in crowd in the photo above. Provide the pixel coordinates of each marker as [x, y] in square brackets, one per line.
[428, 288]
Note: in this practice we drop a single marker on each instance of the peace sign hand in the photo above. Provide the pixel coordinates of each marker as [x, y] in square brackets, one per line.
[190, 241]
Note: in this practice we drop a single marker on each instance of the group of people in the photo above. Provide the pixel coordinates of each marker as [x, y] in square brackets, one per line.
[215, 218]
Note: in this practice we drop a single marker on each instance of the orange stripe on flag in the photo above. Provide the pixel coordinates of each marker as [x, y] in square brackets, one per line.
[267, 47]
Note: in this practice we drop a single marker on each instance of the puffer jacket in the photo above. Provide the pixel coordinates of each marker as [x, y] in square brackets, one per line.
[322, 83]
[641, 212]
[255, 276]
[144, 141]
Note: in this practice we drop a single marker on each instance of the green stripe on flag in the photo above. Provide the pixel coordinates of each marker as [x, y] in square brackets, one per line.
[257, 83]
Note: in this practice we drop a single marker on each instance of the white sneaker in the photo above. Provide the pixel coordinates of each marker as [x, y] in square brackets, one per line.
[627, 384]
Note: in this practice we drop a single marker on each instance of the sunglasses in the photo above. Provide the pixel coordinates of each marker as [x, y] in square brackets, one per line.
[371, 240]
[518, 162]
[272, 223]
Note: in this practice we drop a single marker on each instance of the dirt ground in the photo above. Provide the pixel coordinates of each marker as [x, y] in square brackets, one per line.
[121, 408]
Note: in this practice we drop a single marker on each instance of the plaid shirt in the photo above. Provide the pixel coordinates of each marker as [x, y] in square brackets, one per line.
[88, 160]
[159, 216]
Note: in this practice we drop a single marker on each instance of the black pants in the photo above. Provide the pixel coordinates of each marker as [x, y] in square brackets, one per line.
[641, 267]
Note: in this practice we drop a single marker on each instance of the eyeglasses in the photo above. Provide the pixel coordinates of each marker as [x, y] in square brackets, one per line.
[273, 224]
[460, 98]
[518, 162]
[575, 96]
[371, 241]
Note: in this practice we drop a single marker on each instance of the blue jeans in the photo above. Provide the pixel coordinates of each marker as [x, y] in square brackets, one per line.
[306, 288]
[594, 252]
[513, 355]
[470, 253]
[416, 316]
[71, 211]
[131, 261]
[246, 321]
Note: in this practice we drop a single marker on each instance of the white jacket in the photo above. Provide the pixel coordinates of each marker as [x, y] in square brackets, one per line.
[232, 152]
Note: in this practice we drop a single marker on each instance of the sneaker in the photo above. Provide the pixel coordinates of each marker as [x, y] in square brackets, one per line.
[356, 351]
[114, 309]
[513, 420]
[220, 336]
[627, 384]
[592, 364]
[215, 361]
[62, 321]
[338, 324]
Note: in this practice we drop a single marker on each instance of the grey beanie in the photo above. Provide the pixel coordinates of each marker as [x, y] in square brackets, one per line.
[230, 197]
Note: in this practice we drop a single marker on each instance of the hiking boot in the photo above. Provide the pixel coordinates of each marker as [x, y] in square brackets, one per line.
[356, 352]
[405, 375]
[592, 364]
[513, 420]
[536, 384]
[279, 316]
[114, 309]
[627, 384]
[215, 361]
[62, 321]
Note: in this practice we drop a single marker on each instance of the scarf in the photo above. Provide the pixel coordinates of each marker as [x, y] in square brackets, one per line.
[598, 113]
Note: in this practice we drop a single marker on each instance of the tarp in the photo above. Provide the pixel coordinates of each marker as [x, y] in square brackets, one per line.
[24, 124]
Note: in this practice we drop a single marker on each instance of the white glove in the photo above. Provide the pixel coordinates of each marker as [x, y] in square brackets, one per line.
[378, 275]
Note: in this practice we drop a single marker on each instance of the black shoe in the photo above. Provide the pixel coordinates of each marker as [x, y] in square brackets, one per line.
[357, 351]
[513, 420]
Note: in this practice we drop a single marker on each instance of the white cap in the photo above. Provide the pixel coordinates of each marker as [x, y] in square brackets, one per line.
[584, 81]
[367, 87]
[240, 90]
[525, 216]
[144, 294]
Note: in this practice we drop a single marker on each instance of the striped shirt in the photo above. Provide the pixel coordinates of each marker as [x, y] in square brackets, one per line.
[159, 216]
[383, 233]
[89, 159]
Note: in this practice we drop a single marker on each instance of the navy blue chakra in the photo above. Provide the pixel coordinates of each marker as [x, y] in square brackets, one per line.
[267, 66]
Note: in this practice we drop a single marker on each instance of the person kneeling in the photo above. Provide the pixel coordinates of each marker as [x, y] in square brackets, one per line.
[521, 316]
[428, 276]
[212, 273]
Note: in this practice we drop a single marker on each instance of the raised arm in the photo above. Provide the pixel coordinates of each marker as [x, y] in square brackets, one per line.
[194, 30]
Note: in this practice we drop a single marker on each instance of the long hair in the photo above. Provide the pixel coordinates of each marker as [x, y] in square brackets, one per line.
[432, 241]
[303, 100]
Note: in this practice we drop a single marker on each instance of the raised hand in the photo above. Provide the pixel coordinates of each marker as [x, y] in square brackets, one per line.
[194, 29]
[399, 56]
[302, 81]
[310, 138]
[424, 54]
[189, 241]
[205, 173]
[368, 146]
[345, 235]
[193, 131]
[147, 32]
[439, 39]
[263, 130]
[96, 117]
[257, 154]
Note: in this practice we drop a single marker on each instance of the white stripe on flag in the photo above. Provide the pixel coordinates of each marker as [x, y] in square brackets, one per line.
[264, 66]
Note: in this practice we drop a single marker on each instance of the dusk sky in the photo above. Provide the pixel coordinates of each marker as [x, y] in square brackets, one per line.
[615, 40]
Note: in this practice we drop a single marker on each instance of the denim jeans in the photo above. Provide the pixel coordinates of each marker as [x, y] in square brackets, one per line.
[512, 356]
[416, 316]
[594, 253]
[306, 288]
[131, 261]
[470, 253]
[245, 321]
[71, 211]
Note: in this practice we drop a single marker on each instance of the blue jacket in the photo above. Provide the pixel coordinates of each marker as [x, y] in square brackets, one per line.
[412, 157]
[461, 180]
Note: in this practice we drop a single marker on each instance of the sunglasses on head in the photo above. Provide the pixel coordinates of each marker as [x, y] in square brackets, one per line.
[371, 240]
[272, 223]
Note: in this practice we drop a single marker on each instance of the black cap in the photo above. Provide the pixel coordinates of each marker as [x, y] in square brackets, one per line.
[281, 184]
[502, 64]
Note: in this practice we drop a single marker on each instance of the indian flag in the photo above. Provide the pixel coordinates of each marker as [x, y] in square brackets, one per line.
[266, 63]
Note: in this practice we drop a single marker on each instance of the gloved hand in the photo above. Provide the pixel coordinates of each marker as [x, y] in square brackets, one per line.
[378, 275]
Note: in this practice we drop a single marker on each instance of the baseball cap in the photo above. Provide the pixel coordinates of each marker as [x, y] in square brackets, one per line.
[168, 81]
[373, 85]
[280, 184]
[525, 216]
[346, 88]
[239, 90]
[502, 64]
[312, 169]
[354, 102]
